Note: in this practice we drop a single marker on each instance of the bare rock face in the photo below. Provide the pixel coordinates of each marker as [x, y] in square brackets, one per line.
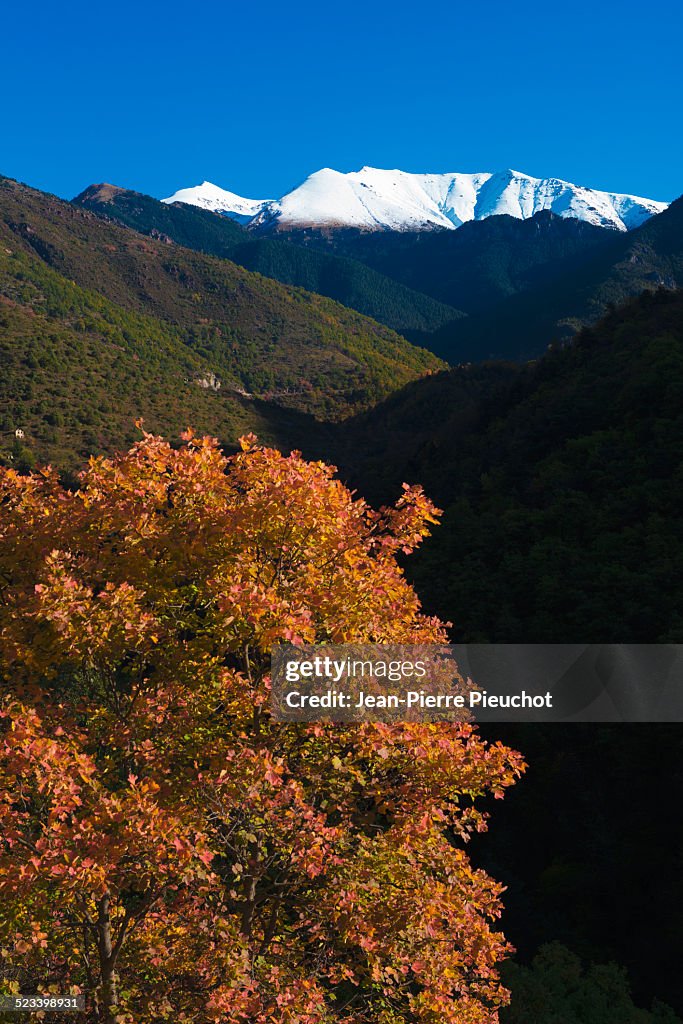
[209, 381]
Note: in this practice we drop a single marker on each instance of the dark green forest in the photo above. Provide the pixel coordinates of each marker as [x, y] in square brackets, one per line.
[590, 849]
[561, 481]
[523, 283]
[480, 263]
[558, 987]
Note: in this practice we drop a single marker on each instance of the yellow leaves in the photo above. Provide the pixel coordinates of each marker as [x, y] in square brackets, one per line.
[247, 442]
[169, 576]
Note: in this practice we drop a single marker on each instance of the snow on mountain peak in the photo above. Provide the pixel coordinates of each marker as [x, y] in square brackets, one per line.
[373, 199]
[219, 200]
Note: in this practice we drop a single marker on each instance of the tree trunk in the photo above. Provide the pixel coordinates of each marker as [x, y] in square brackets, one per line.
[107, 958]
[248, 906]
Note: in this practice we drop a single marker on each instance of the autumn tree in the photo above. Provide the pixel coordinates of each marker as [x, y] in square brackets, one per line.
[165, 846]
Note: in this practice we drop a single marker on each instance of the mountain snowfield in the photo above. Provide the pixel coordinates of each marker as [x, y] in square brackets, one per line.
[218, 200]
[380, 200]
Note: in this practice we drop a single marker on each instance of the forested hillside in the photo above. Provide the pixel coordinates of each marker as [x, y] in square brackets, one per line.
[561, 482]
[563, 494]
[477, 265]
[345, 280]
[589, 847]
[99, 326]
[77, 371]
[523, 283]
[581, 290]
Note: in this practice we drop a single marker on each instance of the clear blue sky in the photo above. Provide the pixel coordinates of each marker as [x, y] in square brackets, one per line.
[254, 96]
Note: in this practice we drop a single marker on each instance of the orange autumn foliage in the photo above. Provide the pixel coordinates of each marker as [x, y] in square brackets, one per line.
[166, 848]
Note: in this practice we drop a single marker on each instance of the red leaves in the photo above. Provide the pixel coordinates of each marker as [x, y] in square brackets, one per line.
[253, 867]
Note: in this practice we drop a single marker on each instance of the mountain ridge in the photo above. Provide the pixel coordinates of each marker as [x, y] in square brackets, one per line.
[375, 199]
[348, 281]
[522, 283]
[299, 350]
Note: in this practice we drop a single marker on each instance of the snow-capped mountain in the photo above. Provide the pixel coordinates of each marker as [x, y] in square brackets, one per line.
[219, 200]
[379, 200]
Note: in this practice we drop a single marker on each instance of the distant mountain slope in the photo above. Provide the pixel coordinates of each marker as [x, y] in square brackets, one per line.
[392, 200]
[524, 284]
[348, 281]
[477, 266]
[76, 371]
[219, 200]
[561, 481]
[302, 350]
[342, 279]
[650, 257]
[580, 290]
[191, 226]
